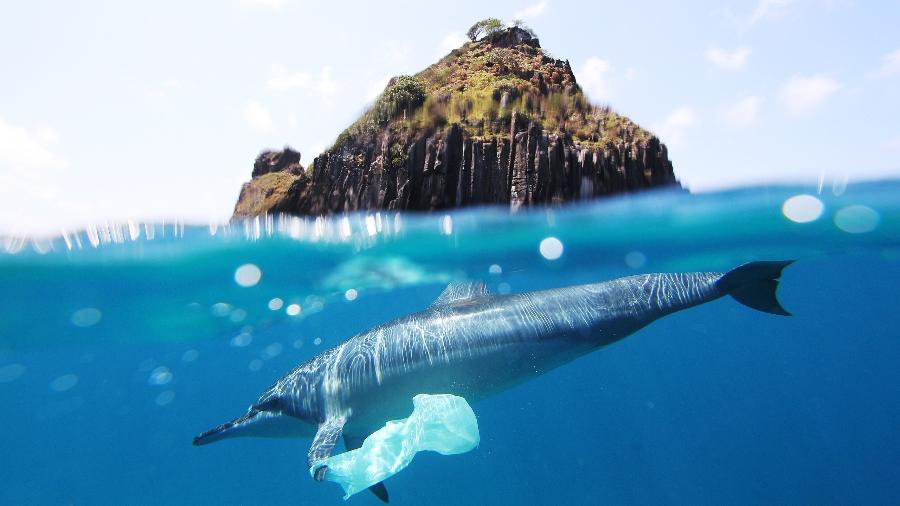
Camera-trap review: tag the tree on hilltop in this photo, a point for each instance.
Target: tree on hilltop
(483, 28)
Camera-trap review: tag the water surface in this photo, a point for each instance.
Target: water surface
(119, 343)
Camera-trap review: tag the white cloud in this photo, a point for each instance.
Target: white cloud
(532, 11)
(768, 8)
(325, 84)
(450, 42)
(258, 116)
(673, 128)
(284, 80)
(24, 150)
(593, 76)
(744, 112)
(804, 93)
(734, 60)
(266, 4)
(890, 64)
(47, 135)
(630, 72)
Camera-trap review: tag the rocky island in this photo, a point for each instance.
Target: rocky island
(496, 121)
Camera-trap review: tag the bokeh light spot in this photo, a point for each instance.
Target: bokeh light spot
(276, 304)
(11, 372)
(241, 340)
(64, 383)
(293, 310)
(86, 317)
(237, 316)
(857, 219)
(802, 208)
(165, 397)
(247, 275)
(160, 376)
(635, 259)
(551, 248)
(272, 351)
(351, 294)
(220, 309)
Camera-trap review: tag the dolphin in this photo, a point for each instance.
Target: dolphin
(473, 343)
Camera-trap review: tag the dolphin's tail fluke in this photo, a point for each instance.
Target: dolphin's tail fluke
(754, 285)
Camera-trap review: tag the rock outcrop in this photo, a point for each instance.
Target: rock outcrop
(277, 161)
(495, 122)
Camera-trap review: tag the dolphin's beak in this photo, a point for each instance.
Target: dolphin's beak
(227, 429)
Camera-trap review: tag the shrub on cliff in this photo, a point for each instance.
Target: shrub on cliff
(407, 92)
(484, 27)
(404, 94)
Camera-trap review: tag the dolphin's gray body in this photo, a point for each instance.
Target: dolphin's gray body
(472, 343)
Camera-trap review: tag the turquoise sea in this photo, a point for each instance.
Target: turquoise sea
(121, 342)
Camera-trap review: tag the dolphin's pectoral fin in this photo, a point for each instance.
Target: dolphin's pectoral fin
(323, 444)
(460, 291)
(380, 491)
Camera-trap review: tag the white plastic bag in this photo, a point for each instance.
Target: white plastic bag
(442, 423)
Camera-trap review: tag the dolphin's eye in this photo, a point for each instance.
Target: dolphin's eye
(270, 404)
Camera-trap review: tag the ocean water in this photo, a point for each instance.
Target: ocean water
(119, 343)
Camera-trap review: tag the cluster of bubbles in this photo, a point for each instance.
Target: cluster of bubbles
(162, 376)
(249, 275)
(225, 310)
(853, 219)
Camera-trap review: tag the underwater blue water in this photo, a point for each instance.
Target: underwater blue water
(120, 343)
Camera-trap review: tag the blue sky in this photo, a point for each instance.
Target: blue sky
(115, 110)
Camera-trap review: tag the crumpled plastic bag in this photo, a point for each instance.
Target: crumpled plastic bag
(442, 423)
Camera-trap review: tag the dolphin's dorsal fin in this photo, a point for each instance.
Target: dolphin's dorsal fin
(456, 292)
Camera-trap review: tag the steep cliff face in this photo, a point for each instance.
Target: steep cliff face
(495, 122)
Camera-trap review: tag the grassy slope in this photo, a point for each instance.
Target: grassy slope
(480, 85)
(262, 193)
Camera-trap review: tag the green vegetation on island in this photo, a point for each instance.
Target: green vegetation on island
(502, 71)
